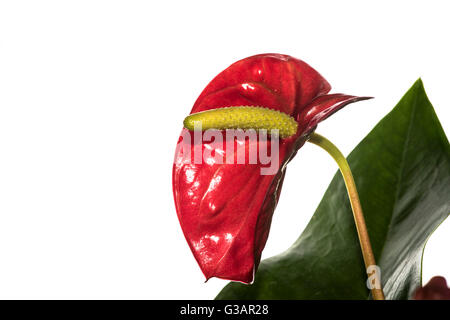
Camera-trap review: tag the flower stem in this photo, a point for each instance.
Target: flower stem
(363, 235)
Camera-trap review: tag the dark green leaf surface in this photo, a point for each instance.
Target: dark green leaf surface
(402, 171)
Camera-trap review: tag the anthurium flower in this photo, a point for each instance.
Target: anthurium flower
(225, 208)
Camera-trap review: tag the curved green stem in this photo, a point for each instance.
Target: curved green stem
(363, 235)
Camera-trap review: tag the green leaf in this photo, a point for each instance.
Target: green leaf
(402, 171)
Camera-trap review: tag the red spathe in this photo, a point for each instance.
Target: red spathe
(225, 210)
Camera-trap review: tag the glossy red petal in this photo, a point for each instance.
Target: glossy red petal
(274, 81)
(322, 107)
(225, 210)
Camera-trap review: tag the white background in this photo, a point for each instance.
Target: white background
(92, 98)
